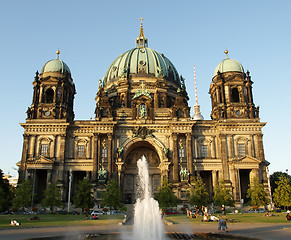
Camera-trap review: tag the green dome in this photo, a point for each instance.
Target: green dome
(228, 65)
(142, 60)
(55, 65)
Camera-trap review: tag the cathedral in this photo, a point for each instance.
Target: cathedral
(142, 109)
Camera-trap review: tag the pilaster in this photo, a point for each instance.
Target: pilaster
(189, 153)
(95, 156)
(175, 158)
(225, 170)
(23, 158)
(109, 136)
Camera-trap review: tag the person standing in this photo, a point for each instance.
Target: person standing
(223, 210)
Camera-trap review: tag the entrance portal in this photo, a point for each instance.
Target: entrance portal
(129, 183)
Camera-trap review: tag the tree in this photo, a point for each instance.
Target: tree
(198, 193)
(6, 193)
(52, 197)
(23, 195)
(166, 197)
(257, 194)
(274, 178)
(83, 198)
(282, 194)
(112, 196)
(223, 195)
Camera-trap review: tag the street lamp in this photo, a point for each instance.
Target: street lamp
(70, 187)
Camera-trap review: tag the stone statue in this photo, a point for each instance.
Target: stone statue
(142, 111)
(184, 174)
(119, 152)
(102, 175)
(166, 151)
(29, 112)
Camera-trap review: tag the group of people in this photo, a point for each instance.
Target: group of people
(206, 217)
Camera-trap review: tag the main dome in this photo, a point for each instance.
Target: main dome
(142, 60)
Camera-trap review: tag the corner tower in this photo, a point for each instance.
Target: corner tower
(54, 90)
(231, 92)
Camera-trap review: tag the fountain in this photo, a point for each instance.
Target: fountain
(147, 219)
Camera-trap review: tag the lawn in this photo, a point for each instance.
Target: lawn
(58, 220)
(79, 220)
(240, 218)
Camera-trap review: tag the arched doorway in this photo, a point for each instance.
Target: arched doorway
(129, 183)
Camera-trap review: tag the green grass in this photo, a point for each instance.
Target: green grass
(51, 220)
(240, 218)
(58, 220)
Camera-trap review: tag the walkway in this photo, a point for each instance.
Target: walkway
(259, 230)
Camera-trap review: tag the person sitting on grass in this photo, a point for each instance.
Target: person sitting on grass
(95, 217)
(192, 215)
(205, 218)
(213, 218)
(14, 223)
(288, 217)
(269, 214)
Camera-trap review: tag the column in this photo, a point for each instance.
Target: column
(88, 175)
(224, 157)
(260, 146)
(109, 143)
(195, 148)
(48, 177)
(231, 147)
(156, 100)
(175, 158)
(61, 154)
(62, 147)
(234, 182)
(214, 178)
(189, 153)
(252, 154)
(23, 158)
(98, 152)
(213, 154)
(31, 146)
(95, 156)
(254, 175)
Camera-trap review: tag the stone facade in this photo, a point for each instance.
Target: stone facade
(139, 113)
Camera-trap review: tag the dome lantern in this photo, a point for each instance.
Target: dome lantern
(141, 41)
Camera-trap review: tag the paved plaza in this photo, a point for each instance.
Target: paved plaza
(257, 231)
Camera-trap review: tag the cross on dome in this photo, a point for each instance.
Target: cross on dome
(141, 21)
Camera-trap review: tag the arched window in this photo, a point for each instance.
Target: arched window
(49, 95)
(234, 95)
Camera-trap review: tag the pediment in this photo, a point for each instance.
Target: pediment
(246, 160)
(41, 160)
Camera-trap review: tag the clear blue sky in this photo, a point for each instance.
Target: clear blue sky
(91, 34)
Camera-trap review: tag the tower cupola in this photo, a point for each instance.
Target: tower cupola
(231, 92)
(54, 92)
